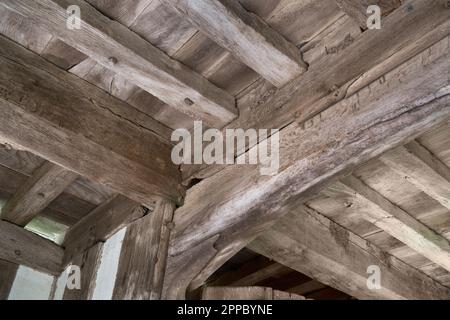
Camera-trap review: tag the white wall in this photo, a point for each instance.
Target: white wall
(30, 284)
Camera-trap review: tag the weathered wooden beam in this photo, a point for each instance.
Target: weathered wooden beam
(23, 247)
(387, 216)
(357, 9)
(66, 120)
(48, 182)
(246, 36)
(420, 167)
(410, 100)
(130, 56)
(88, 262)
(337, 76)
(247, 293)
(312, 244)
(8, 272)
(143, 256)
(250, 273)
(100, 224)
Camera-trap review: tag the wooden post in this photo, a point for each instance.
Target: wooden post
(8, 272)
(143, 257)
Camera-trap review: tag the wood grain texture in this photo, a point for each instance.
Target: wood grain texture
(316, 246)
(246, 36)
(88, 262)
(47, 183)
(395, 221)
(8, 272)
(128, 55)
(247, 293)
(410, 100)
(23, 247)
(100, 224)
(83, 127)
(418, 166)
(357, 9)
(143, 257)
(349, 66)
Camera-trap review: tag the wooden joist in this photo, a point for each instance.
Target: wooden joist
(408, 101)
(250, 273)
(312, 244)
(130, 56)
(387, 216)
(23, 247)
(76, 125)
(335, 77)
(357, 9)
(247, 293)
(246, 36)
(48, 182)
(8, 273)
(420, 167)
(100, 224)
(143, 256)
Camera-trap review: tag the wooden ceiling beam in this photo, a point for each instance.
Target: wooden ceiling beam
(383, 115)
(335, 77)
(47, 183)
(387, 216)
(246, 36)
(100, 224)
(419, 166)
(312, 244)
(116, 47)
(76, 125)
(357, 9)
(23, 247)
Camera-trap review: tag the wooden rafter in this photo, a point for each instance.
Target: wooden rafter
(420, 167)
(381, 116)
(100, 224)
(312, 244)
(334, 77)
(246, 36)
(82, 126)
(23, 247)
(133, 58)
(395, 221)
(48, 182)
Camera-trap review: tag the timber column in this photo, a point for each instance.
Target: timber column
(143, 257)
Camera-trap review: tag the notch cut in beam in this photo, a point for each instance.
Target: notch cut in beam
(116, 47)
(46, 183)
(246, 36)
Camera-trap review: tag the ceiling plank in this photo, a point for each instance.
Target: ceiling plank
(387, 216)
(334, 77)
(312, 244)
(47, 183)
(100, 224)
(420, 167)
(381, 116)
(246, 36)
(23, 247)
(82, 127)
(131, 57)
